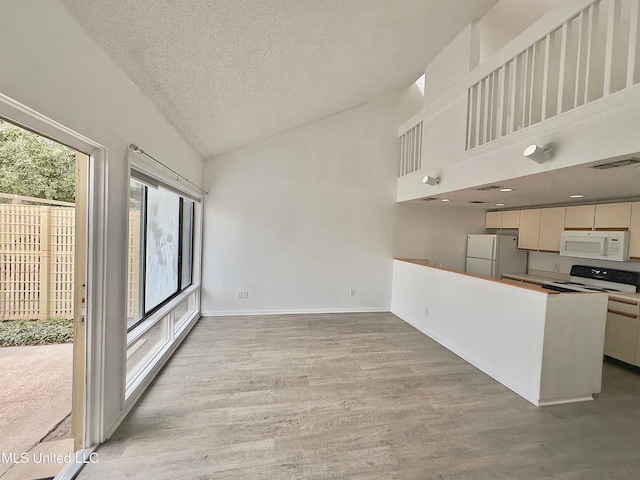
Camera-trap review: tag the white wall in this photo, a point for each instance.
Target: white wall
(302, 218)
(52, 66)
(438, 234)
(549, 262)
(506, 20)
(457, 59)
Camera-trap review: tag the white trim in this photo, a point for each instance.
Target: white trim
(96, 299)
(237, 313)
(149, 362)
(80, 459)
(96, 253)
(150, 375)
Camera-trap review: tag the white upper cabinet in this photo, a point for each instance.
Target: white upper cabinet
(529, 235)
(551, 227)
(613, 215)
(493, 220)
(580, 216)
(511, 219)
(634, 229)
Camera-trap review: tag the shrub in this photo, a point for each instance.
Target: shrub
(35, 332)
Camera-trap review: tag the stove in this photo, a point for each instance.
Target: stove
(596, 279)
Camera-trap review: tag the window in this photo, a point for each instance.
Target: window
(162, 229)
(144, 348)
(186, 258)
(160, 256)
(162, 285)
(135, 247)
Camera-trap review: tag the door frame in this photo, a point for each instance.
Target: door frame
(25, 117)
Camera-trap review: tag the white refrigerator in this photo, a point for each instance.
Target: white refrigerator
(493, 255)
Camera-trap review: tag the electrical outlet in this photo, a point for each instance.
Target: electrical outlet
(243, 294)
(352, 293)
(426, 311)
(556, 267)
(240, 294)
(246, 295)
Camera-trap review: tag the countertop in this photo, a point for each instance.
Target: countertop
(540, 280)
(535, 279)
(425, 263)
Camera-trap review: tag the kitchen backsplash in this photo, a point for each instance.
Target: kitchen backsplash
(552, 262)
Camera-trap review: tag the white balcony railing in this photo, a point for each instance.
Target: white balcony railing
(411, 150)
(590, 56)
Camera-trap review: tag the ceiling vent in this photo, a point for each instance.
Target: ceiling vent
(428, 199)
(477, 201)
(488, 187)
(616, 164)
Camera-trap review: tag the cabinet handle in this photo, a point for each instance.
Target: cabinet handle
(624, 314)
(627, 302)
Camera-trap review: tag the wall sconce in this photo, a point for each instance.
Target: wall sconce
(539, 154)
(427, 180)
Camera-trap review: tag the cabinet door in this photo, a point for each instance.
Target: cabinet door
(529, 229)
(613, 215)
(493, 220)
(511, 219)
(620, 337)
(580, 216)
(551, 227)
(634, 231)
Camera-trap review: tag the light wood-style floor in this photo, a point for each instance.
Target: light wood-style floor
(358, 396)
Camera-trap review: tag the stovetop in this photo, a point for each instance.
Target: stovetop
(584, 287)
(596, 279)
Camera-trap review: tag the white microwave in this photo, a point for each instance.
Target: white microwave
(600, 245)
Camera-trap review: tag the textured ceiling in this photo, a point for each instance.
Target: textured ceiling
(228, 73)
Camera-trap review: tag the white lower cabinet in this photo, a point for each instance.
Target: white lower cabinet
(621, 334)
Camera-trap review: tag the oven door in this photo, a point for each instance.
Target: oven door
(558, 288)
(584, 245)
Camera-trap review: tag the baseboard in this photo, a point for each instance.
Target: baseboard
(238, 313)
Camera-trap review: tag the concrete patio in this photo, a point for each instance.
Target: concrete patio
(35, 397)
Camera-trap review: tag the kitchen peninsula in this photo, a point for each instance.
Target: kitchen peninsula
(545, 346)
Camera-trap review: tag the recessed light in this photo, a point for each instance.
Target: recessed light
(506, 190)
(445, 200)
(501, 204)
(577, 196)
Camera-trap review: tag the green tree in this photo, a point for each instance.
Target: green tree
(35, 166)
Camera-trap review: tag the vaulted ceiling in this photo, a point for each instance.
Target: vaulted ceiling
(227, 73)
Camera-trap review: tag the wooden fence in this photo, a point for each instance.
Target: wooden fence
(37, 256)
(36, 261)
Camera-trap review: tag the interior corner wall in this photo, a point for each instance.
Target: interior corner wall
(451, 64)
(435, 233)
(506, 20)
(302, 218)
(52, 66)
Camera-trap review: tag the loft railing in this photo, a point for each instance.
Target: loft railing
(411, 150)
(592, 55)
